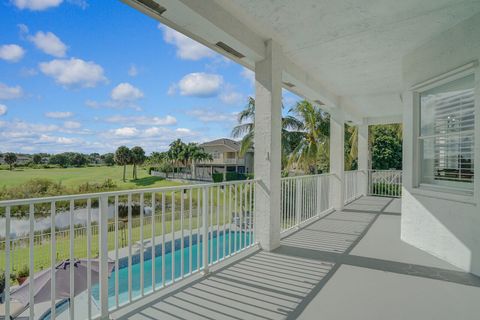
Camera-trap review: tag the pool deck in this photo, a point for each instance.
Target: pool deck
(346, 265)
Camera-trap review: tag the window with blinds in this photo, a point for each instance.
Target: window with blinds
(447, 134)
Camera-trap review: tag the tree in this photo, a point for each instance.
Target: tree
(78, 160)
(176, 152)
(108, 159)
(60, 159)
(311, 153)
(291, 128)
(93, 157)
(122, 158)
(37, 159)
(386, 146)
(10, 158)
(137, 158)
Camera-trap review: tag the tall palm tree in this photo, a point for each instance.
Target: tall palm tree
(312, 150)
(137, 158)
(291, 128)
(123, 157)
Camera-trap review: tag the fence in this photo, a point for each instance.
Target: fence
(353, 188)
(188, 229)
(303, 198)
(385, 183)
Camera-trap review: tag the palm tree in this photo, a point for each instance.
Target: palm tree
(176, 152)
(137, 158)
(291, 128)
(122, 158)
(312, 150)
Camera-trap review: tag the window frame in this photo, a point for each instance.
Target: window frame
(450, 192)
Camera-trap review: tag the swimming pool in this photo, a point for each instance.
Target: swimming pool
(234, 242)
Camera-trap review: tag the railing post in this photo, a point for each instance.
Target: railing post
(103, 256)
(318, 196)
(298, 202)
(205, 229)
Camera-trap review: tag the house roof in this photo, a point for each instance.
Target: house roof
(224, 142)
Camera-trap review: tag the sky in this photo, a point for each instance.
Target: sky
(89, 76)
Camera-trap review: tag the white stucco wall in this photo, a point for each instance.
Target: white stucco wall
(441, 223)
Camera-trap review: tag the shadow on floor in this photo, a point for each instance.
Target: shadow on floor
(281, 284)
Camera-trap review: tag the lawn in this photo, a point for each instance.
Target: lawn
(73, 177)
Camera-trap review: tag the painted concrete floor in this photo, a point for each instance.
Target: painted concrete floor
(347, 265)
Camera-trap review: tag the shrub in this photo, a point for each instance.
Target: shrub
(23, 272)
(217, 177)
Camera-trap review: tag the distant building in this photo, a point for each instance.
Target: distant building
(226, 158)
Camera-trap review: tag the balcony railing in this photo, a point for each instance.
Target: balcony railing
(385, 183)
(153, 237)
(303, 198)
(352, 184)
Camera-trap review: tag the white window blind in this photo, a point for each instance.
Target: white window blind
(447, 134)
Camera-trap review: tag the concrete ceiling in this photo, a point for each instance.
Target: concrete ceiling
(354, 47)
(346, 53)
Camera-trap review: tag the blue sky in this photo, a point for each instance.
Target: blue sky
(90, 76)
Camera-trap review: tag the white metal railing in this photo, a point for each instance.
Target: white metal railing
(303, 198)
(387, 183)
(154, 237)
(352, 183)
(182, 176)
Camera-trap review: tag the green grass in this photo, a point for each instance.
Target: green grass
(73, 177)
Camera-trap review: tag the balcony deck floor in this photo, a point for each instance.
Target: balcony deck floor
(346, 265)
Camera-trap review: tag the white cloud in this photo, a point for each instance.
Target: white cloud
(172, 89)
(36, 5)
(11, 52)
(132, 71)
(126, 132)
(183, 130)
(74, 72)
(23, 28)
(59, 114)
(209, 115)
(80, 3)
(187, 48)
(143, 120)
(200, 84)
(249, 75)
(58, 140)
(3, 109)
(72, 124)
(231, 97)
(49, 43)
(126, 92)
(7, 92)
(28, 72)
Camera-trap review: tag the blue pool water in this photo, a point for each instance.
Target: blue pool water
(232, 242)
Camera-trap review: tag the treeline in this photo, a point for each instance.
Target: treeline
(64, 160)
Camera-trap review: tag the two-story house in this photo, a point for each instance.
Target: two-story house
(226, 158)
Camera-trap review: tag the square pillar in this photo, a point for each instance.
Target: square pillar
(363, 159)
(267, 140)
(337, 162)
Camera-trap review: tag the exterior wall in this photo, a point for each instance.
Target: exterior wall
(444, 224)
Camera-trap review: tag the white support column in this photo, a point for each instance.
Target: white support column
(337, 162)
(267, 161)
(363, 158)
